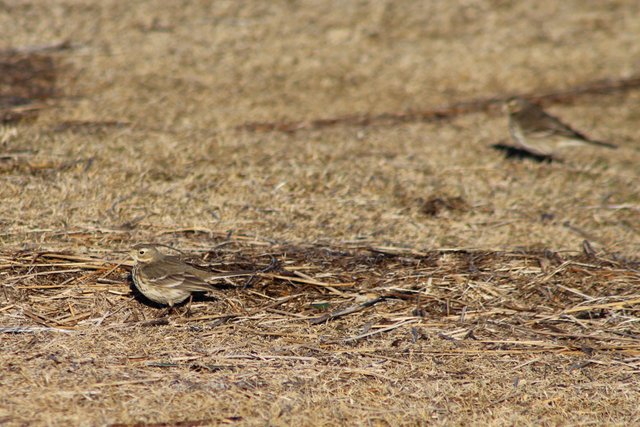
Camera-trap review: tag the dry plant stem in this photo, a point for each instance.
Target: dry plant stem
(33, 329)
(346, 311)
(379, 331)
(306, 281)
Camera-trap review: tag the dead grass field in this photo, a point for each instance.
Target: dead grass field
(422, 278)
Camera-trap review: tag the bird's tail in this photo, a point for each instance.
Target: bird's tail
(601, 143)
(588, 140)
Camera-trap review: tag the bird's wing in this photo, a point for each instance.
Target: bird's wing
(173, 275)
(194, 273)
(184, 281)
(537, 121)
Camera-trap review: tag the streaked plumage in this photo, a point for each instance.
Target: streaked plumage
(167, 279)
(540, 133)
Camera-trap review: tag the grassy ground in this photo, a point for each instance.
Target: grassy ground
(468, 268)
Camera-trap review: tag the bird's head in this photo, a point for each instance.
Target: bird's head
(145, 253)
(515, 104)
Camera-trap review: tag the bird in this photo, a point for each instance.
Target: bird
(539, 133)
(168, 280)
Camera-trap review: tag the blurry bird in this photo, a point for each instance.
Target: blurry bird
(167, 279)
(540, 133)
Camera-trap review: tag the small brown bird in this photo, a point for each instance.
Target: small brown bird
(534, 130)
(167, 279)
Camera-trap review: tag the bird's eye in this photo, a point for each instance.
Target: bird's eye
(141, 252)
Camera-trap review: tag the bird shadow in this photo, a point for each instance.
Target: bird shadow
(514, 153)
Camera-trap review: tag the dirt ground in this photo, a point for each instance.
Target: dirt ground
(409, 273)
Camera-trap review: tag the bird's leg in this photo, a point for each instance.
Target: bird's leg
(166, 312)
(187, 312)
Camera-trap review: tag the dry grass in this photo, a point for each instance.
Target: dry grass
(423, 278)
(351, 334)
